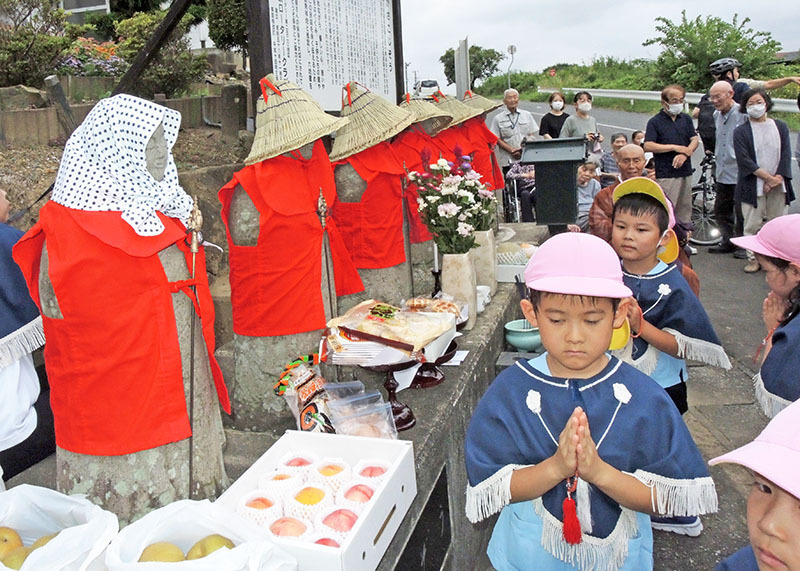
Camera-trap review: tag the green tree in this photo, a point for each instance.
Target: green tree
(174, 68)
(689, 46)
(483, 63)
(36, 38)
(227, 24)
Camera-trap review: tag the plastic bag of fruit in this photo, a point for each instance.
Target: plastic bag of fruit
(56, 531)
(196, 536)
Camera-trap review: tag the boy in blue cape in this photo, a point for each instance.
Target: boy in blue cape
(575, 447)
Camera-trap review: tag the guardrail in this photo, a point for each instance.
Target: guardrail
(786, 105)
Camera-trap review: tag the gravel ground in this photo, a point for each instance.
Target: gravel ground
(26, 172)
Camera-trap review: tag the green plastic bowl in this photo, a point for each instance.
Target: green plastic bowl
(523, 335)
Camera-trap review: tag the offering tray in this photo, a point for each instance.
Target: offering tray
(429, 374)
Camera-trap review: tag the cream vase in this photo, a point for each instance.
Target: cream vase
(458, 280)
(484, 258)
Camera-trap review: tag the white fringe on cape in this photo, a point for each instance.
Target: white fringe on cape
(491, 495)
(592, 553)
(646, 363)
(674, 497)
(700, 350)
(21, 342)
(770, 403)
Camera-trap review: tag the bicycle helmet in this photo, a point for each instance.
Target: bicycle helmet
(723, 65)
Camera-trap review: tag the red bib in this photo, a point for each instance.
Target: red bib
(407, 146)
(372, 229)
(275, 285)
(482, 143)
(113, 361)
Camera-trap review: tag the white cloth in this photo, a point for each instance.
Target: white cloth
(767, 142)
(104, 167)
(19, 389)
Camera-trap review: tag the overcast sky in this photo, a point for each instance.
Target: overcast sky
(571, 32)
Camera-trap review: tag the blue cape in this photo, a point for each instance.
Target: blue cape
(778, 382)
(633, 422)
(668, 303)
(20, 325)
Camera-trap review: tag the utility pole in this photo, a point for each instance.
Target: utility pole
(405, 74)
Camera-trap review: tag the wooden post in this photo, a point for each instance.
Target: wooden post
(165, 28)
(259, 46)
(63, 112)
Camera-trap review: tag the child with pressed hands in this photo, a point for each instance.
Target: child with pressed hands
(777, 250)
(773, 506)
(549, 445)
(668, 323)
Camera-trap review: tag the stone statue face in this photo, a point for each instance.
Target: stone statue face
(156, 153)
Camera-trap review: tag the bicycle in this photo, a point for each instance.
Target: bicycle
(706, 230)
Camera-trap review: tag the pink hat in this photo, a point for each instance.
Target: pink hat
(775, 453)
(778, 238)
(576, 264)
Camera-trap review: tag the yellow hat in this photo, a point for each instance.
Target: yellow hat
(642, 185)
(620, 336)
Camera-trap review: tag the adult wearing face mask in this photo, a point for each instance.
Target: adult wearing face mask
(582, 123)
(511, 125)
(552, 122)
(671, 137)
(764, 184)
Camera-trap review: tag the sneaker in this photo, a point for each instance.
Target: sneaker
(752, 267)
(691, 526)
(722, 248)
(692, 251)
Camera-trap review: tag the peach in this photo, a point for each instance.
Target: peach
(373, 471)
(287, 527)
(309, 496)
(327, 541)
(359, 493)
(281, 477)
(330, 470)
(259, 503)
(298, 462)
(340, 520)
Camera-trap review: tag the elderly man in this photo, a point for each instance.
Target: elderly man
(670, 135)
(631, 163)
(512, 125)
(726, 118)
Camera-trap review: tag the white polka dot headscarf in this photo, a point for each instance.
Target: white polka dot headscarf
(104, 166)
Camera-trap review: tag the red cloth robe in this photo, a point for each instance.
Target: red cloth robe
(372, 228)
(275, 285)
(446, 142)
(408, 147)
(113, 361)
(483, 141)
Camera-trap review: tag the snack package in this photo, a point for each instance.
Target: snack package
(442, 303)
(408, 331)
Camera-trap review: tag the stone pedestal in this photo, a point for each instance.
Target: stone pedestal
(131, 485)
(392, 284)
(234, 111)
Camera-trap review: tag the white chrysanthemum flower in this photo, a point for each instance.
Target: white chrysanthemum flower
(448, 210)
(462, 217)
(442, 162)
(433, 198)
(472, 175)
(465, 229)
(448, 189)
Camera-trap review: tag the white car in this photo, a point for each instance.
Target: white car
(425, 88)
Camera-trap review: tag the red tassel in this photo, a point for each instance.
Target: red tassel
(572, 527)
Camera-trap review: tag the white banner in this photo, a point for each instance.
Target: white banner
(323, 44)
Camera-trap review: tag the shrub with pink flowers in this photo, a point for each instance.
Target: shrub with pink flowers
(453, 202)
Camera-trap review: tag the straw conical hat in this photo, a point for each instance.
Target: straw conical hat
(480, 102)
(437, 119)
(372, 120)
(286, 119)
(458, 110)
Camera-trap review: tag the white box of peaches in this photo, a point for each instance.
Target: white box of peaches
(334, 502)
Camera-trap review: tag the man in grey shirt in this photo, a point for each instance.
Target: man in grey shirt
(512, 125)
(726, 118)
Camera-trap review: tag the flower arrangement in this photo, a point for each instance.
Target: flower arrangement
(452, 202)
(87, 57)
